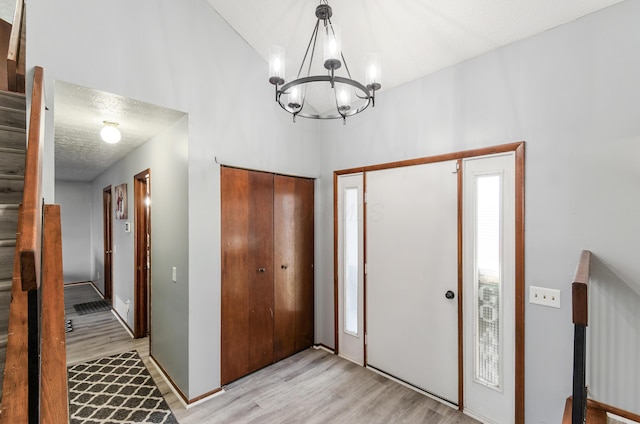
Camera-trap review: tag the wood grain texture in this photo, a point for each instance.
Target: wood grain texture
(21, 71)
(520, 286)
(14, 46)
(336, 335)
(247, 272)
(293, 265)
(595, 414)
(580, 290)
(5, 35)
(15, 400)
(460, 289)
(54, 394)
(234, 186)
(142, 236)
(595, 405)
(502, 148)
(267, 269)
(312, 386)
(107, 234)
(260, 236)
(284, 259)
(31, 230)
(303, 262)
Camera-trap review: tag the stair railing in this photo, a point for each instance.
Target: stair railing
(35, 379)
(16, 51)
(580, 306)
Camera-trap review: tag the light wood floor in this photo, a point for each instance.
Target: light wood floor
(310, 387)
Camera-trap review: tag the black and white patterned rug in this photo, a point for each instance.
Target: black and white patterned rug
(116, 389)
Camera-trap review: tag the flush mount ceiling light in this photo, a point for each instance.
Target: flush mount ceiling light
(110, 132)
(348, 96)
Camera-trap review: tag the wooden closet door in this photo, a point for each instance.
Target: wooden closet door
(247, 272)
(293, 263)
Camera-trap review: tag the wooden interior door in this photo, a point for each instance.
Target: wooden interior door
(247, 272)
(142, 217)
(293, 265)
(107, 236)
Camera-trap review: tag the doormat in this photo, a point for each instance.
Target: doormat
(116, 389)
(91, 307)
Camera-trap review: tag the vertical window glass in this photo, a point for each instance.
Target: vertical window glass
(488, 331)
(351, 254)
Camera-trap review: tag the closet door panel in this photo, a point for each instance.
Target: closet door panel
(260, 270)
(247, 272)
(293, 261)
(304, 242)
(284, 267)
(234, 188)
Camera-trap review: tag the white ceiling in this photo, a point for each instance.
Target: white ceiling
(413, 38)
(80, 153)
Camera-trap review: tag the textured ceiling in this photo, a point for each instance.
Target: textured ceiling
(79, 112)
(413, 38)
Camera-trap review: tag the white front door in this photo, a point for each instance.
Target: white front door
(350, 268)
(412, 262)
(489, 286)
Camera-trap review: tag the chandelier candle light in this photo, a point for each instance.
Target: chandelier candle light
(350, 96)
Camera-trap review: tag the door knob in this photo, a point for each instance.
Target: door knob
(261, 270)
(449, 294)
(283, 266)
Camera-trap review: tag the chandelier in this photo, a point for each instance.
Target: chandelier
(336, 96)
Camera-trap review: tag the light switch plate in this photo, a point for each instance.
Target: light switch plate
(173, 275)
(544, 297)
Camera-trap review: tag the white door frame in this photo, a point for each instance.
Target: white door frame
(352, 343)
(488, 273)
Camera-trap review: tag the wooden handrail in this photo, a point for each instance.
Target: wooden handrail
(580, 309)
(15, 391)
(31, 236)
(35, 379)
(54, 402)
(579, 290)
(15, 48)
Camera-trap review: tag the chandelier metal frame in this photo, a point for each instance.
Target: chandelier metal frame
(366, 93)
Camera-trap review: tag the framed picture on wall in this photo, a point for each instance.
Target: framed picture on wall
(120, 193)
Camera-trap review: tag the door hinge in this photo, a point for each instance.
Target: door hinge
(365, 197)
(365, 338)
(366, 268)
(457, 168)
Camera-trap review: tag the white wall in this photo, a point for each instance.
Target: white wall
(74, 199)
(183, 56)
(166, 155)
(613, 339)
(572, 94)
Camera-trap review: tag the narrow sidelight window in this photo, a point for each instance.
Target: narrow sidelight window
(350, 249)
(488, 281)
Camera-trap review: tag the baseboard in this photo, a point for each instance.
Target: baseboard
(123, 323)
(186, 403)
(324, 347)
